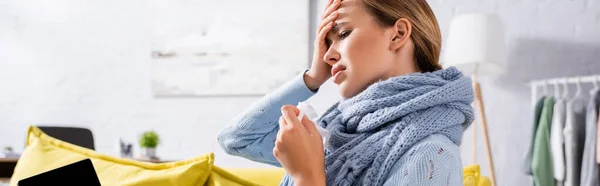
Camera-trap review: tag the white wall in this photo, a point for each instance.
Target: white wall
(86, 63)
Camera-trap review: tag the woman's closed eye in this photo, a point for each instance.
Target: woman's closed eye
(344, 34)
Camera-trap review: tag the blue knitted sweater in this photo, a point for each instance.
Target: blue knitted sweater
(433, 159)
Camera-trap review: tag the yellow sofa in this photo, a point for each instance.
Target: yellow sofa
(43, 153)
(261, 176)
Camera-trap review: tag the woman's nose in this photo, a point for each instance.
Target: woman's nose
(331, 56)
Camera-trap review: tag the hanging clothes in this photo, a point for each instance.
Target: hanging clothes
(541, 162)
(589, 167)
(574, 140)
(557, 141)
(536, 119)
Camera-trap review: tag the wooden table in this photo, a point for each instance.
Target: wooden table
(9, 160)
(7, 166)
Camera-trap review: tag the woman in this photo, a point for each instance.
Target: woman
(402, 116)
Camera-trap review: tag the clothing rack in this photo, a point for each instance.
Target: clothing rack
(558, 132)
(568, 80)
(544, 83)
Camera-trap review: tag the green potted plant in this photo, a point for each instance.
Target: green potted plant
(8, 152)
(8, 149)
(149, 141)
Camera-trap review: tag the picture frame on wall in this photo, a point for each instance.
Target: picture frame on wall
(203, 48)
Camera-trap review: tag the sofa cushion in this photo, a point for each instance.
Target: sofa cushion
(262, 176)
(43, 153)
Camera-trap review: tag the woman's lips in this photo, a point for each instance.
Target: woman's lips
(336, 77)
(336, 69)
(336, 72)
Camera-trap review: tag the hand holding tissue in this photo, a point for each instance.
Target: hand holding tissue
(307, 110)
(297, 147)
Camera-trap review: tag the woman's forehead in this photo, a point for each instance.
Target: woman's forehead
(348, 5)
(348, 8)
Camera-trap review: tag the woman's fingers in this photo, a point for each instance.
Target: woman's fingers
(282, 122)
(329, 15)
(323, 34)
(279, 139)
(331, 8)
(290, 115)
(329, 2)
(309, 126)
(327, 20)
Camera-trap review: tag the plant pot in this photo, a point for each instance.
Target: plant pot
(149, 152)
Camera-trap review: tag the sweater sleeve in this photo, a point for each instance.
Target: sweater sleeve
(252, 134)
(432, 162)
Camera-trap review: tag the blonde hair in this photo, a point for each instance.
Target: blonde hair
(426, 34)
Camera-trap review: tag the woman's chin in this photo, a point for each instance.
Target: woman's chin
(345, 90)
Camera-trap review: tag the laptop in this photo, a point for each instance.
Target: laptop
(78, 173)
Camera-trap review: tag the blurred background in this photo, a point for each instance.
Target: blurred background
(185, 69)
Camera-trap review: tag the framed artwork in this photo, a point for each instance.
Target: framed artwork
(227, 47)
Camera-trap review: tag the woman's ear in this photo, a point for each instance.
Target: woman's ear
(401, 33)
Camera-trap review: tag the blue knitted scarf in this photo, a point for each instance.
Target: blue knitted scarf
(372, 130)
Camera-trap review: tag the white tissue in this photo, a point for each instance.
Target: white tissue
(307, 110)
